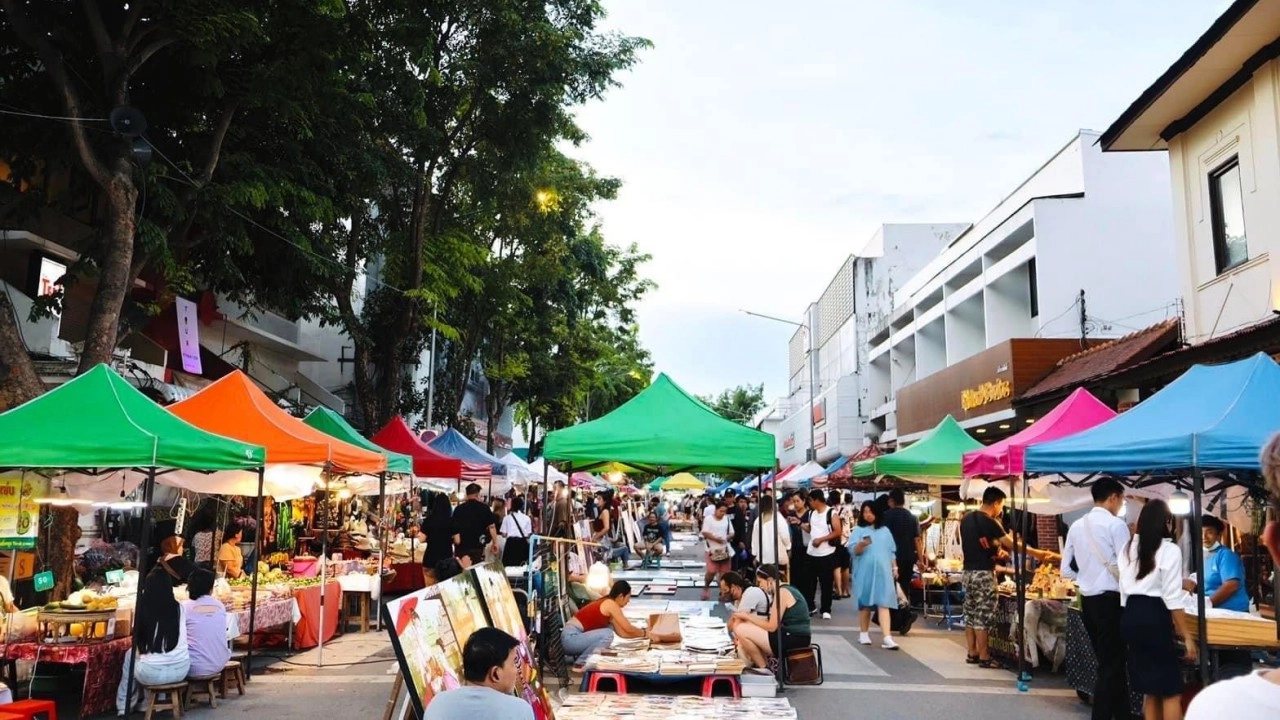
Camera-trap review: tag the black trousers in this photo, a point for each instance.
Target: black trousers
(899, 615)
(1101, 614)
(821, 571)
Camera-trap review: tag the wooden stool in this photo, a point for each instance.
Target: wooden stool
(174, 691)
(240, 656)
(32, 709)
(233, 672)
(709, 685)
(205, 685)
(619, 681)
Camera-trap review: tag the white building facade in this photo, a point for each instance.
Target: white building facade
(853, 303)
(1081, 249)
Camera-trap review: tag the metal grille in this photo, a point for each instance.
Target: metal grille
(836, 304)
(796, 352)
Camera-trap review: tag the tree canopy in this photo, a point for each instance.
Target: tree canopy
(739, 404)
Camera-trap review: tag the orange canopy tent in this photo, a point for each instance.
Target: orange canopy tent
(235, 408)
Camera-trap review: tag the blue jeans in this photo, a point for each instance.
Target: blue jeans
(145, 674)
(583, 644)
(666, 534)
(622, 552)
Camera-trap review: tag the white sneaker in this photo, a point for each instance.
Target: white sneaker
(889, 644)
(864, 638)
(826, 616)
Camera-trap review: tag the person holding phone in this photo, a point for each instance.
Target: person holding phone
(874, 568)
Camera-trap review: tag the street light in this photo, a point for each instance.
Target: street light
(812, 454)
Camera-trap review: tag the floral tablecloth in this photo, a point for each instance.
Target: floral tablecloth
(271, 613)
(104, 666)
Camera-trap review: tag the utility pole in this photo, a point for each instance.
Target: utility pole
(431, 373)
(812, 453)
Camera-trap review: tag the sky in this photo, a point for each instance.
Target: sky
(761, 143)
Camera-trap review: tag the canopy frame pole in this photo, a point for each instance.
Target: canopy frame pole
(1197, 560)
(779, 678)
(324, 558)
(253, 592)
(148, 491)
(382, 543)
(1020, 577)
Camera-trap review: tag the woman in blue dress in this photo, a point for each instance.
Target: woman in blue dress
(874, 566)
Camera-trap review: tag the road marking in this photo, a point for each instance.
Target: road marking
(925, 688)
(839, 653)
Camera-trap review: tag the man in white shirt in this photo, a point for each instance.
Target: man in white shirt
(1090, 558)
(1256, 695)
(824, 530)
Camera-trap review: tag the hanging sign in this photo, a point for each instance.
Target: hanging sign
(43, 581)
(188, 335)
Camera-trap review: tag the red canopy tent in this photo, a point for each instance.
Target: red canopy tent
(842, 477)
(427, 463)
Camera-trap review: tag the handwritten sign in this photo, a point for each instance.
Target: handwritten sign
(43, 581)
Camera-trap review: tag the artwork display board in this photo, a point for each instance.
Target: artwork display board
(431, 626)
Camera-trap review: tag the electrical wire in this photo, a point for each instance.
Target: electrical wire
(61, 118)
(1044, 325)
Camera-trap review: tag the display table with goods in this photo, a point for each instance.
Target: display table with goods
(600, 706)
(103, 662)
(1044, 619)
(700, 648)
(1082, 664)
(281, 591)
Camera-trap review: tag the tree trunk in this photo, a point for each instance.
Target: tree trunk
(64, 525)
(113, 277)
(18, 379)
(390, 363)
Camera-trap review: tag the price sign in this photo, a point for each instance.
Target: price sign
(43, 581)
(115, 577)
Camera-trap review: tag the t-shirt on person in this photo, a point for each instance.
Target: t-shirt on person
(905, 529)
(754, 600)
(820, 526)
(471, 521)
(1247, 696)
(207, 636)
(472, 702)
(979, 539)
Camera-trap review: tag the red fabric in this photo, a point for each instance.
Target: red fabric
(408, 578)
(306, 634)
(592, 617)
(427, 462)
(104, 666)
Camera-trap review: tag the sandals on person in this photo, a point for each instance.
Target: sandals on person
(971, 660)
(990, 664)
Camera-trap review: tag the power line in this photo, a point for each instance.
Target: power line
(24, 113)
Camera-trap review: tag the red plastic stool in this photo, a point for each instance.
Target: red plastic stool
(709, 685)
(32, 709)
(619, 681)
(12, 716)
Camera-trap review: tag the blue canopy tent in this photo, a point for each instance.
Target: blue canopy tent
(1211, 422)
(455, 444)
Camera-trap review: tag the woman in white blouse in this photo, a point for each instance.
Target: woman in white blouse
(1151, 590)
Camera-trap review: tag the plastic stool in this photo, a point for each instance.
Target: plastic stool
(11, 716)
(32, 709)
(709, 685)
(619, 681)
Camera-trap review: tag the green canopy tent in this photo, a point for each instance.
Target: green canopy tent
(334, 425)
(937, 457)
(663, 429)
(98, 423)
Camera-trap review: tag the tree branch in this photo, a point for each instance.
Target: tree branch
(131, 18)
(97, 28)
(141, 57)
(24, 27)
(215, 143)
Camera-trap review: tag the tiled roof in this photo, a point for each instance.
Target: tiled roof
(1078, 369)
(1262, 336)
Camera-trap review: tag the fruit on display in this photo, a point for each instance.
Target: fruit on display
(278, 559)
(84, 600)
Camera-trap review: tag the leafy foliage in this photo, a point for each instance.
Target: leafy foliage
(739, 404)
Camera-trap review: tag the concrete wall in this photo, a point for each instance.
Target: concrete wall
(1247, 125)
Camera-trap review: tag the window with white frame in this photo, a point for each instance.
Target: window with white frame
(1226, 205)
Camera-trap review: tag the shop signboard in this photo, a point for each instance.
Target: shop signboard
(19, 513)
(820, 413)
(981, 385)
(789, 442)
(188, 335)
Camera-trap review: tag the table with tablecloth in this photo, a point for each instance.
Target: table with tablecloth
(307, 631)
(103, 667)
(271, 613)
(1082, 664)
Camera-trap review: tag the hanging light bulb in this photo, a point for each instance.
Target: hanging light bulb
(1179, 503)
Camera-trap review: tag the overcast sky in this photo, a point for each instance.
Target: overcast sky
(760, 143)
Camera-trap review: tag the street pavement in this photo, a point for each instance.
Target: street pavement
(926, 679)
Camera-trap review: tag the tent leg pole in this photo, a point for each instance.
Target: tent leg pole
(1020, 636)
(1197, 559)
(253, 591)
(382, 546)
(148, 492)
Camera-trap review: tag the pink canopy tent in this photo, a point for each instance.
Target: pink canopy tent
(780, 475)
(1079, 412)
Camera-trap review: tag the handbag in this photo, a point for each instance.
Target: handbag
(720, 554)
(804, 666)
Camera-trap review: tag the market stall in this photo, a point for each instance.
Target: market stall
(93, 426)
(234, 407)
(455, 444)
(661, 430)
(1202, 433)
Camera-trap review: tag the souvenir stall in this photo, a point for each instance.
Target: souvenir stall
(433, 469)
(661, 430)
(1038, 612)
(1201, 434)
(83, 434)
(234, 407)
